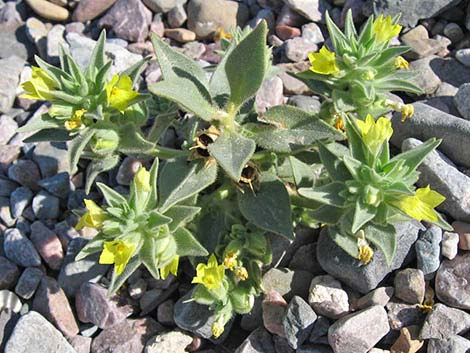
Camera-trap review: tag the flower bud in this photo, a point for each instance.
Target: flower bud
(104, 142)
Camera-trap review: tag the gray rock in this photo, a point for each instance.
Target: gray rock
(421, 45)
(380, 296)
(359, 332)
(89, 9)
(7, 187)
(165, 313)
(463, 55)
(266, 15)
(194, 50)
(443, 322)
(410, 286)
(55, 39)
(33, 333)
(51, 158)
(20, 249)
(410, 10)
(58, 185)
(319, 330)
(177, 16)
(313, 10)
(28, 282)
(297, 49)
(298, 321)
(81, 344)
(26, 173)
(426, 77)
(327, 297)
(8, 320)
(10, 70)
(19, 200)
(428, 250)
(286, 282)
(66, 233)
(163, 5)
(46, 206)
(305, 259)
(454, 32)
(5, 214)
(450, 245)
(452, 281)
(452, 344)
(173, 341)
(10, 273)
(259, 341)
(342, 266)
(461, 100)
(270, 94)
(312, 32)
(402, 315)
(8, 127)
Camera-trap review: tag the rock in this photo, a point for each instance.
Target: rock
(286, 282)
(81, 344)
(443, 322)
(313, 10)
(259, 341)
(254, 318)
(9, 301)
(65, 233)
(163, 5)
(380, 296)
(20, 249)
(408, 341)
(298, 321)
(157, 26)
(55, 40)
(312, 32)
(452, 281)
(48, 10)
(8, 127)
(8, 154)
(428, 251)
(154, 297)
(282, 345)
(274, 310)
(95, 306)
(181, 35)
(194, 50)
(173, 341)
(410, 285)
(463, 230)
(449, 245)
(359, 332)
(421, 45)
(410, 10)
(10, 273)
(8, 320)
(10, 70)
(36, 30)
(401, 314)
(58, 185)
(319, 330)
(129, 20)
(5, 214)
(74, 273)
(87, 10)
(46, 206)
(33, 333)
(327, 297)
(51, 158)
(51, 302)
(48, 245)
(297, 49)
(463, 55)
(454, 32)
(287, 32)
(127, 336)
(452, 344)
(461, 100)
(429, 122)
(165, 313)
(305, 259)
(270, 94)
(426, 77)
(19, 200)
(7, 187)
(28, 282)
(345, 268)
(82, 47)
(293, 86)
(205, 18)
(177, 16)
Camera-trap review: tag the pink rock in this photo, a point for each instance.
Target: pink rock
(48, 245)
(463, 229)
(90, 9)
(274, 307)
(81, 344)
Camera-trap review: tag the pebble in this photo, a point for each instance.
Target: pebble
(421, 45)
(452, 344)
(7, 187)
(87, 10)
(58, 185)
(10, 273)
(282, 345)
(408, 341)
(36, 30)
(165, 313)
(426, 78)
(205, 18)
(463, 55)
(449, 245)
(129, 20)
(157, 26)
(305, 259)
(297, 49)
(48, 10)
(177, 16)
(269, 95)
(46, 206)
(410, 286)
(444, 321)
(319, 330)
(463, 230)
(51, 302)
(428, 250)
(48, 245)
(274, 310)
(8, 127)
(194, 50)
(8, 154)
(8, 320)
(28, 282)
(327, 297)
(359, 332)
(20, 199)
(259, 341)
(33, 333)
(51, 158)
(5, 214)
(401, 314)
(94, 306)
(138, 288)
(163, 5)
(25, 172)
(452, 281)
(454, 32)
(254, 318)
(20, 249)
(55, 39)
(65, 233)
(81, 344)
(461, 100)
(266, 15)
(173, 341)
(287, 32)
(298, 321)
(181, 35)
(292, 85)
(10, 70)
(313, 10)
(9, 301)
(380, 296)
(286, 282)
(312, 32)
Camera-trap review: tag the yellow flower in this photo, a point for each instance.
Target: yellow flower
(172, 267)
(221, 34)
(217, 328)
(384, 28)
(94, 217)
(401, 63)
(375, 133)
(119, 92)
(407, 111)
(117, 252)
(365, 254)
(39, 85)
(323, 62)
(210, 275)
(241, 273)
(230, 260)
(421, 205)
(142, 179)
(76, 120)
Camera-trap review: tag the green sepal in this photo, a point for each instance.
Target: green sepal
(187, 244)
(384, 238)
(329, 194)
(93, 246)
(202, 296)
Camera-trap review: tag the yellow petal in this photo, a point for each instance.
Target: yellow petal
(384, 28)
(142, 179)
(119, 92)
(172, 267)
(323, 62)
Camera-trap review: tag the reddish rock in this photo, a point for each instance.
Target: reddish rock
(463, 229)
(87, 10)
(81, 344)
(287, 32)
(274, 308)
(48, 245)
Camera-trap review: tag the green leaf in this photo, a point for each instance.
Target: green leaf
(54, 72)
(269, 208)
(187, 244)
(179, 180)
(203, 296)
(153, 197)
(327, 214)
(383, 237)
(135, 70)
(318, 84)
(302, 172)
(333, 164)
(52, 135)
(76, 147)
(131, 141)
(98, 166)
(156, 220)
(339, 40)
(344, 241)
(232, 152)
(118, 280)
(181, 215)
(93, 246)
(388, 55)
(356, 144)
(362, 215)
(69, 98)
(327, 194)
(97, 59)
(148, 257)
(44, 121)
(112, 197)
(246, 66)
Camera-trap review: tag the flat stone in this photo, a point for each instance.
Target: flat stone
(8, 127)
(10, 70)
(58, 185)
(33, 333)
(452, 281)
(287, 32)
(173, 341)
(194, 50)
(298, 322)
(51, 158)
(380, 296)
(408, 341)
(25, 172)
(181, 35)
(10, 273)
(87, 10)
(48, 10)
(19, 200)
(410, 285)
(51, 302)
(359, 332)
(452, 344)
(401, 314)
(305, 259)
(274, 310)
(320, 330)
(259, 341)
(313, 10)
(270, 94)
(20, 249)
(461, 100)
(443, 322)
(428, 250)
(28, 282)
(65, 232)
(450, 245)
(48, 245)
(421, 45)
(165, 312)
(286, 282)
(163, 5)
(327, 297)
